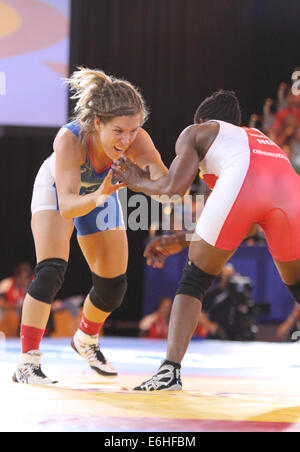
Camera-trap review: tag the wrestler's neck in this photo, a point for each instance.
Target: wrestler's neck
(101, 159)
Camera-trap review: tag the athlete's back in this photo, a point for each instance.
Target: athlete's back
(253, 181)
(241, 146)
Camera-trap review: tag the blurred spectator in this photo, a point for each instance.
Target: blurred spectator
(181, 216)
(295, 149)
(269, 113)
(257, 239)
(14, 288)
(280, 120)
(156, 325)
(207, 327)
(291, 323)
(227, 308)
(286, 121)
(71, 304)
(255, 122)
(172, 218)
(282, 94)
(270, 109)
(12, 294)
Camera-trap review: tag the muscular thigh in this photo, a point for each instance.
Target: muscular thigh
(51, 233)
(106, 252)
(289, 271)
(208, 258)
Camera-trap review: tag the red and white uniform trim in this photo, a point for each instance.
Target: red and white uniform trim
(253, 182)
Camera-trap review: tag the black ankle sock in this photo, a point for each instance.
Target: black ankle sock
(172, 363)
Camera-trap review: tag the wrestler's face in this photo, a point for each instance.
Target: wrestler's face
(117, 135)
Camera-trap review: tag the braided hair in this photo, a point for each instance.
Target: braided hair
(221, 105)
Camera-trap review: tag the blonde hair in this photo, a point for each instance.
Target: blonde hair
(105, 97)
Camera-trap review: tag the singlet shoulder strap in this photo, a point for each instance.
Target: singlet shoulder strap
(74, 127)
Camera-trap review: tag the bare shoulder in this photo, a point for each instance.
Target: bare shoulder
(199, 131)
(199, 136)
(67, 145)
(143, 144)
(144, 153)
(143, 136)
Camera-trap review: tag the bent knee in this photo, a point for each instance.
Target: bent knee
(107, 293)
(194, 281)
(48, 280)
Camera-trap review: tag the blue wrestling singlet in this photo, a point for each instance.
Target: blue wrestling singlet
(102, 218)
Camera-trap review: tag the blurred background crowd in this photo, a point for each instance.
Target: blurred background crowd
(228, 309)
(280, 120)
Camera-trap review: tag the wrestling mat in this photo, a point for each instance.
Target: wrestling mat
(228, 387)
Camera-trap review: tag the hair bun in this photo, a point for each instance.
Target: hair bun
(222, 105)
(227, 96)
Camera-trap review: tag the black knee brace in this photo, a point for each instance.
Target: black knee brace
(295, 291)
(49, 277)
(107, 293)
(194, 282)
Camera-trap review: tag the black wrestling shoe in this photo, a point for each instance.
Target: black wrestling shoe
(167, 378)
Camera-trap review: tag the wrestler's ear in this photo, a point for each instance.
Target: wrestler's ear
(97, 124)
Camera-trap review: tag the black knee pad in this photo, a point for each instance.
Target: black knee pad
(295, 291)
(49, 277)
(107, 293)
(194, 282)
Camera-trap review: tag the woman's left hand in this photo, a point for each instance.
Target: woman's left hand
(106, 189)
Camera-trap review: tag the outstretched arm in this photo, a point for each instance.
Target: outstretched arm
(181, 174)
(191, 147)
